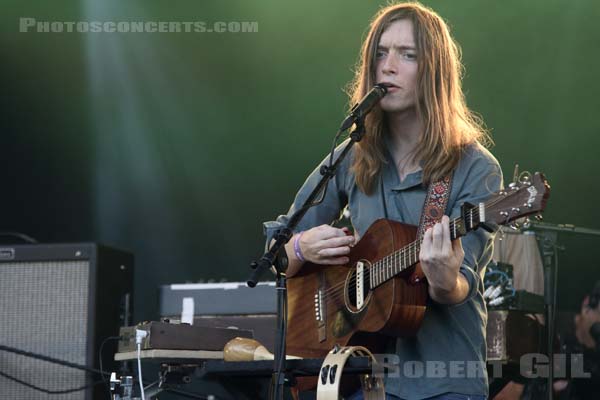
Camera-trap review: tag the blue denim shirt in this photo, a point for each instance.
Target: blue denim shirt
(449, 351)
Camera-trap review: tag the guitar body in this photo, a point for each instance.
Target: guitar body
(322, 310)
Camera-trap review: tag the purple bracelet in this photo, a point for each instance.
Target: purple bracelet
(297, 250)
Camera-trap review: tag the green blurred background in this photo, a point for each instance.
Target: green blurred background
(176, 146)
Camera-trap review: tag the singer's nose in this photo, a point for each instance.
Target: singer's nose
(389, 65)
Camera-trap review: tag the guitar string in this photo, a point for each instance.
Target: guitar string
(391, 262)
(410, 249)
(382, 264)
(400, 254)
(335, 291)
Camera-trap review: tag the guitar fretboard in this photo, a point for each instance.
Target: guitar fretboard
(393, 264)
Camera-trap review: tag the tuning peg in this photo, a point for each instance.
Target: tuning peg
(525, 178)
(539, 217)
(526, 223)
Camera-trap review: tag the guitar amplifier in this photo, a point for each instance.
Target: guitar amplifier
(61, 301)
(224, 305)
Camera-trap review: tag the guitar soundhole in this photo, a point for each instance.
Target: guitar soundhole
(357, 291)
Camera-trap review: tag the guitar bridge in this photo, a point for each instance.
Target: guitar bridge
(319, 306)
(360, 295)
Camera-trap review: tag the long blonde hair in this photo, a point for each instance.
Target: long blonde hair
(448, 124)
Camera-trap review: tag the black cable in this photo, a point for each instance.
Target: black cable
(25, 238)
(40, 389)
(554, 294)
(102, 374)
(540, 329)
(280, 362)
(75, 366)
(50, 359)
(328, 167)
(551, 323)
(333, 146)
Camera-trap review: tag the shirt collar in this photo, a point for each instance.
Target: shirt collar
(390, 172)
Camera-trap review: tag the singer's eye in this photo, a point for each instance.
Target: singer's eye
(410, 56)
(380, 54)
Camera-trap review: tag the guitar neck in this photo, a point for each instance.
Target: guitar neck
(388, 267)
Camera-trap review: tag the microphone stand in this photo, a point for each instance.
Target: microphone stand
(276, 258)
(549, 249)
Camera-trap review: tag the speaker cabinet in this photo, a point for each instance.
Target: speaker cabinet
(62, 301)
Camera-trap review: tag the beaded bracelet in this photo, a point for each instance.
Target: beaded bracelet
(297, 250)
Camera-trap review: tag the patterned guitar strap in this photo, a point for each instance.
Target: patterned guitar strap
(433, 211)
(435, 204)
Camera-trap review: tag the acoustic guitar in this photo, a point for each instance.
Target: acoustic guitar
(382, 290)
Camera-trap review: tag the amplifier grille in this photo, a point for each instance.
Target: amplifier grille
(44, 309)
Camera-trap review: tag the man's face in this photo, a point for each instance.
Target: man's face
(584, 321)
(396, 66)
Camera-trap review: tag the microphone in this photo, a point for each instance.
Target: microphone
(364, 106)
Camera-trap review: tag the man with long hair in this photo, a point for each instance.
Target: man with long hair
(420, 133)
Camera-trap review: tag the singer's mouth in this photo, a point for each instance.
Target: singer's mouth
(389, 85)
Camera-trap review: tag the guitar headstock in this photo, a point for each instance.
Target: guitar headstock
(519, 200)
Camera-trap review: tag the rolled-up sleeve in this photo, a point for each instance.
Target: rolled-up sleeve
(482, 178)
